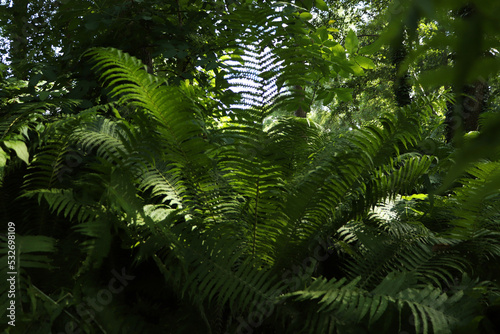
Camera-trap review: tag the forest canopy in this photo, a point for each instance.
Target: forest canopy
(240, 166)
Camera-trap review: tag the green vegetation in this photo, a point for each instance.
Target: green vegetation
(229, 166)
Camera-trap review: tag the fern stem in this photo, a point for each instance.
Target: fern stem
(256, 218)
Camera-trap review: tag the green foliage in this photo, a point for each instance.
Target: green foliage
(342, 305)
(265, 223)
(234, 222)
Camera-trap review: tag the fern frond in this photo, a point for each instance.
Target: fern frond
(130, 83)
(398, 247)
(212, 273)
(63, 202)
(341, 305)
(31, 251)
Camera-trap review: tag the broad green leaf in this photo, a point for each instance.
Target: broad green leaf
(44, 95)
(20, 148)
(306, 16)
(372, 48)
(364, 62)
(343, 94)
(323, 34)
(315, 37)
(307, 4)
(321, 4)
(351, 42)
(344, 73)
(338, 51)
(34, 79)
(322, 93)
(326, 95)
(329, 98)
(329, 43)
(3, 158)
(357, 69)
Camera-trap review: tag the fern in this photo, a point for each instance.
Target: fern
(31, 251)
(224, 212)
(342, 305)
(398, 247)
(231, 227)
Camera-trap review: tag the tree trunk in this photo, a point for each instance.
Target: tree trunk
(300, 112)
(463, 116)
(471, 99)
(402, 87)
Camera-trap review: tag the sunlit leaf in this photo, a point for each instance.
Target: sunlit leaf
(321, 4)
(343, 94)
(364, 62)
(306, 16)
(20, 148)
(351, 42)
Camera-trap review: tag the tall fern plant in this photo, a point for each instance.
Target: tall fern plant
(225, 216)
(232, 217)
